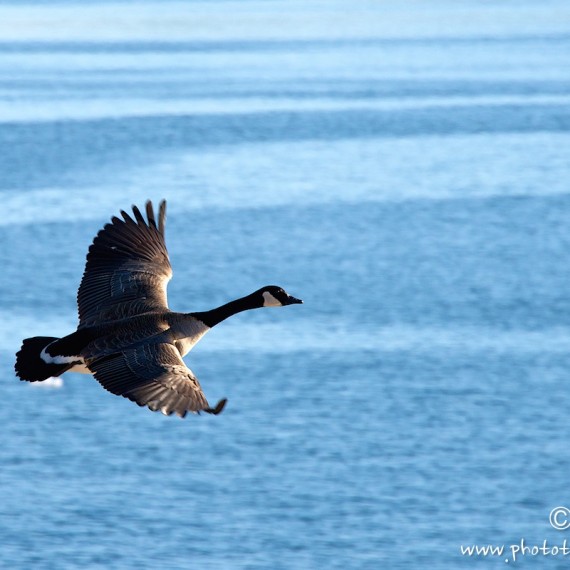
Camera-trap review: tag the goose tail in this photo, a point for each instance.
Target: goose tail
(29, 364)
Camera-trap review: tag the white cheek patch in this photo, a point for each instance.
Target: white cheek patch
(270, 301)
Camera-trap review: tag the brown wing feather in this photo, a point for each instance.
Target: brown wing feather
(127, 269)
(153, 375)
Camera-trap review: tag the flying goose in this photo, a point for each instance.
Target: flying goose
(127, 336)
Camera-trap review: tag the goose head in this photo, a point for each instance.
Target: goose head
(274, 296)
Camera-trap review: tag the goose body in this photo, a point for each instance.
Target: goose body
(127, 336)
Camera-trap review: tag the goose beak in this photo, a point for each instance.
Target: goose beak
(294, 301)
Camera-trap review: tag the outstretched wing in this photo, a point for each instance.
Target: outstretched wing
(153, 375)
(127, 269)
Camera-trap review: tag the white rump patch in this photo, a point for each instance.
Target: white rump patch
(270, 301)
(49, 359)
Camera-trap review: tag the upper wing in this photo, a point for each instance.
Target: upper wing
(127, 269)
(153, 375)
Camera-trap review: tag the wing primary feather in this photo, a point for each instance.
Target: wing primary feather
(219, 407)
(127, 218)
(150, 214)
(161, 216)
(139, 216)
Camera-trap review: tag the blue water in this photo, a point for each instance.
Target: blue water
(403, 168)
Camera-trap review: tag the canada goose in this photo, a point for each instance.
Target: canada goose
(127, 336)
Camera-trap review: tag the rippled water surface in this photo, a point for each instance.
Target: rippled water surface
(403, 168)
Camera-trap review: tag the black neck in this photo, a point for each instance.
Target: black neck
(215, 316)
